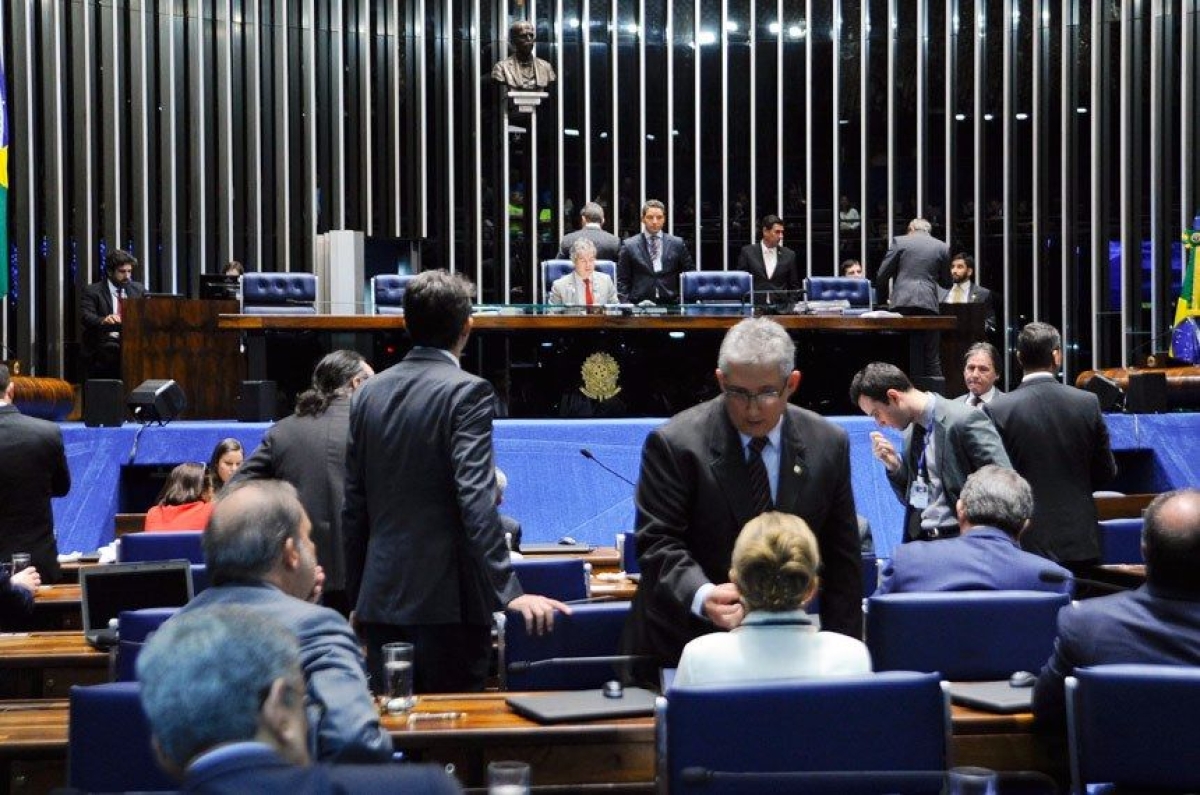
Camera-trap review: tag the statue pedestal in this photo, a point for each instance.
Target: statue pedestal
(526, 101)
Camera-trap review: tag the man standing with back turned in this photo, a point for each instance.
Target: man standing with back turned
(716, 466)
(426, 561)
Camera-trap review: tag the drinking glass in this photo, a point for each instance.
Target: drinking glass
(398, 676)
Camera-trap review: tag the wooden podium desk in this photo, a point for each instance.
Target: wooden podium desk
(46, 664)
(56, 607)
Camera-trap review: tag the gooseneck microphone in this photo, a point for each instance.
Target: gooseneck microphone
(521, 666)
(1056, 578)
(586, 453)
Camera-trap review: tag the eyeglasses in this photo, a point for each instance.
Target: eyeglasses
(764, 398)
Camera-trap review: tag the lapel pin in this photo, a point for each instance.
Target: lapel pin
(797, 469)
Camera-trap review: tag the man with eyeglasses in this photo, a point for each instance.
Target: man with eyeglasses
(714, 467)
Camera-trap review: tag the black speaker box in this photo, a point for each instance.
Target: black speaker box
(157, 400)
(1147, 393)
(256, 401)
(1106, 390)
(103, 403)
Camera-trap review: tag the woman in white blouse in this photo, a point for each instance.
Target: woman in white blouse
(775, 564)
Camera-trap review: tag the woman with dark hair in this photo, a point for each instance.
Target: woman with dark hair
(775, 565)
(185, 501)
(225, 460)
(308, 450)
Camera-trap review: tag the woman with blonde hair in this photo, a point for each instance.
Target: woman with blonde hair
(775, 566)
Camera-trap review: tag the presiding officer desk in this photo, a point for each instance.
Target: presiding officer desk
(33, 743)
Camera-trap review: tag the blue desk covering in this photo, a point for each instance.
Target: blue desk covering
(553, 490)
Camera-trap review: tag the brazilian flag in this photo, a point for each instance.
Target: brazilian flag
(3, 185)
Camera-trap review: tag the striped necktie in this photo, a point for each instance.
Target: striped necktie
(760, 484)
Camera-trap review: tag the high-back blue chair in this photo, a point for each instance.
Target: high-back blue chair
(964, 635)
(175, 545)
(108, 748)
(1131, 726)
(565, 579)
(839, 288)
(279, 294)
(629, 555)
(388, 290)
(553, 269)
(134, 628)
(892, 733)
(715, 292)
(592, 630)
(1121, 541)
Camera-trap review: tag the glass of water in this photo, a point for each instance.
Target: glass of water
(971, 781)
(398, 676)
(508, 778)
(21, 561)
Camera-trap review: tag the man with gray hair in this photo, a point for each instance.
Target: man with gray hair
(714, 467)
(260, 556)
(993, 510)
(608, 245)
(585, 286)
(920, 265)
(223, 690)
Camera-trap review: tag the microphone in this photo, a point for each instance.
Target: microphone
(521, 666)
(885, 780)
(586, 453)
(1056, 578)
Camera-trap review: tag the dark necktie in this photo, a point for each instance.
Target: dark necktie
(655, 247)
(120, 300)
(974, 400)
(917, 446)
(760, 484)
(588, 298)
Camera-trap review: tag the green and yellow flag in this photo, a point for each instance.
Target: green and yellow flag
(3, 185)
(1189, 294)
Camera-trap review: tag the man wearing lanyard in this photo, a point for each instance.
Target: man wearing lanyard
(651, 261)
(944, 442)
(100, 307)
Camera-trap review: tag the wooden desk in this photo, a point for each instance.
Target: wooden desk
(33, 745)
(1126, 506)
(39, 665)
(56, 607)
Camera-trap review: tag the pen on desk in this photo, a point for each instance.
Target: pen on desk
(419, 716)
(588, 600)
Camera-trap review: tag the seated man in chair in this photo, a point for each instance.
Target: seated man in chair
(585, 286)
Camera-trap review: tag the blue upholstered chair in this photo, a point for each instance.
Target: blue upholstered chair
(592, 630)
(715, 292)
(388, 290)
(553, 269)
(565, 579)
(837, 288)
(1121, 541)
(134, 628)
(629, 555)
(799, 735)
(108, 747)
(964, 635)
(175, 545)
(279, 294)
(1131, 726)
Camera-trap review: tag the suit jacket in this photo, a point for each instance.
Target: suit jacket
(1058, 441)
(636, 278)
(1150, 625)
(566, 290)
(693, 498)
(975, 295)
(35, 470)
(256, 767)
(963, 397)
(965, 440)
(95, 304)
(310, 453)
(608, 245)
(341, 711)
(424, 544)
(919, 263)
(787, 273)
(984, 559)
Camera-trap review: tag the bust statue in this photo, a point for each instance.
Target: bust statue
(522, 70)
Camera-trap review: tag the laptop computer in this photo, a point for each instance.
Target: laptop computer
(218, 286)
(992, 696)
(108, 589)
(580, 705)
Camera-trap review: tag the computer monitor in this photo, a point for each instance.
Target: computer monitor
(220, 286)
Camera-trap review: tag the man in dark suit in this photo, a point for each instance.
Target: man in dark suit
(944, 442)
(964, 290)
(16, 597)
(993, 510)
(981, 370)
(100, 309)
(35, 470)
(651, 261)
(920, 264)
(608, 245)
(1057, 439)
(223, 692)
(772, 264)
(714, 467)
(308, 450)
(1159, 623)
(425, 556)
(260, 556)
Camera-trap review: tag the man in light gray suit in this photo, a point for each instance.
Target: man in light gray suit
(980, 373)
(585, 286)
(920, 264)
(944, 442)
(308, 450)
(608, 245)
(260, 556)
